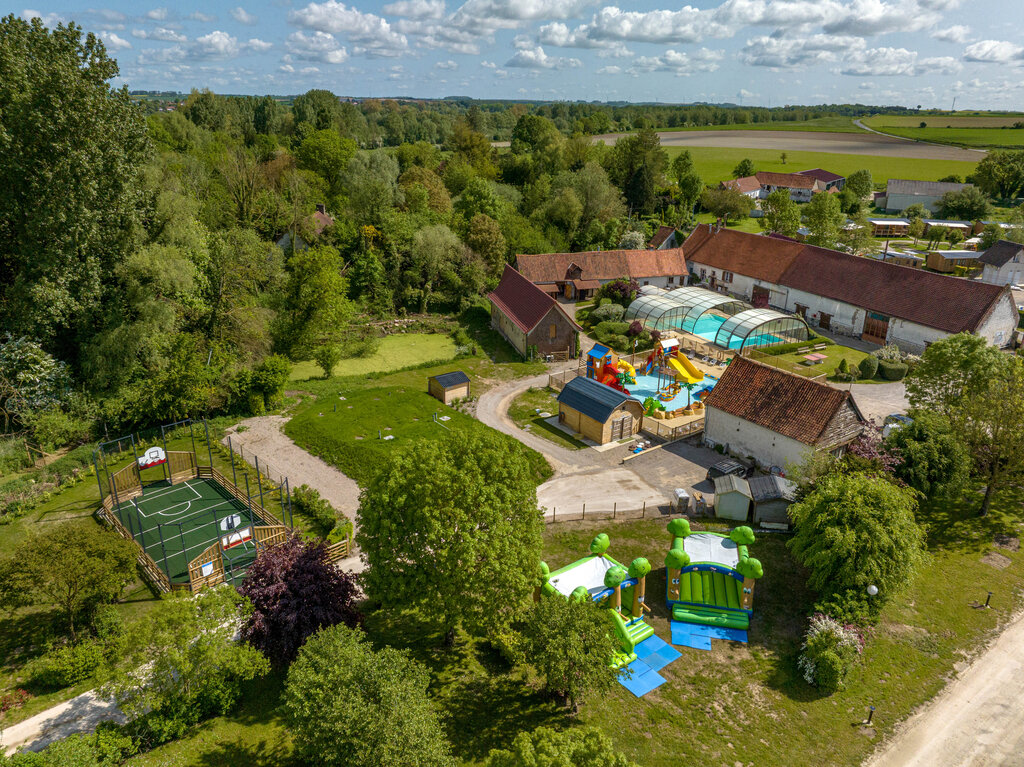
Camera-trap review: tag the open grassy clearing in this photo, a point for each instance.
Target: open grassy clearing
(715, 164)
(958, 120)
(737, 703)
(524, 411)
(794, 361)
(987, 138)
(395, 352)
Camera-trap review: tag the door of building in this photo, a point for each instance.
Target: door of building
(622, 427)
(825, 321)
(759, 296)
(876, 328)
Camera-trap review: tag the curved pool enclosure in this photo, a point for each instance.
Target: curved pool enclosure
(723, 320)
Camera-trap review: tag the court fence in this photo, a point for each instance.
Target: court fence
(151, 572)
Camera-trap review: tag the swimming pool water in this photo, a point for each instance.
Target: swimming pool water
(708, 325)
(647, 386)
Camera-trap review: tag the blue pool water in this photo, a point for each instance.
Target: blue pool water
(707, 328)
(647, 386)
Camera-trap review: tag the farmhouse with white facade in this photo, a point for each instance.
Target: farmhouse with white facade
(1003, 263)
(577, 276)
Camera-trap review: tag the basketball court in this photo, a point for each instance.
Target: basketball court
(176, 523)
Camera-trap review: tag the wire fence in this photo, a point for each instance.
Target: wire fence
(599, 510)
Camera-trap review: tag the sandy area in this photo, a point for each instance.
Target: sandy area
(602, 489)
(78, 715)
(977, 721)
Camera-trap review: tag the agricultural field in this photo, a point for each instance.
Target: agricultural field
(715, 164)
(963, 131)
(822, 124)
(958, 120)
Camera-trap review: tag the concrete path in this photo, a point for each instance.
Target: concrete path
(876, 401)
(78, 715)
(977, 721)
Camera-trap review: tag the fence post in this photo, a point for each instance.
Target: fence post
(615, 508)
(643, 514)
(259, 482)
(584, 510)
(231, 453)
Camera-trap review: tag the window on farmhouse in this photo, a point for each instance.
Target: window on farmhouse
(726, 276)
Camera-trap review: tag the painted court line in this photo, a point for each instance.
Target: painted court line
(187, 518)
(170, 490)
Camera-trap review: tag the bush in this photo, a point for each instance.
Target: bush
(511, 645)
(892, 371)
(342, 531)
(64, 666)
(844, 372)
(830, 672)
(829, 649)
(582, 315)
(107, 622)
(611, 328)
(54, 428)
(890, 353)
(607, 313)
(308, 502)
(813, 340)
(868, 367)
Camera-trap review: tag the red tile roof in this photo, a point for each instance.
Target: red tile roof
(523, 302)
(788, 404)
(663, 233)
(788, 180)
(933, 300)
(824, 176)
(745, 184)
(602, 264)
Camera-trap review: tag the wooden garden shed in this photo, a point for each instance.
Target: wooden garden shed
(598, 412)
(772, 496)
(732, 498)
(449, 387)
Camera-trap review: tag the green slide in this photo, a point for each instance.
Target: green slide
(729, 620)
(629, 634)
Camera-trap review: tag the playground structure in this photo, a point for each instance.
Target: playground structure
(710, 577)
(604, 366)
(193, 527)
(610, 585)
(674, 372)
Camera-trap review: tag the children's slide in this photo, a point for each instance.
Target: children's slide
(649, 365)
(630, 371)
(684, 370)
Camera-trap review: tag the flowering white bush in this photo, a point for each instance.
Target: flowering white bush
(828, 650)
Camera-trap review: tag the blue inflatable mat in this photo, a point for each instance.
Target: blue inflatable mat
(699, 637)
(644, 679)
(656, 652)
(719, 632)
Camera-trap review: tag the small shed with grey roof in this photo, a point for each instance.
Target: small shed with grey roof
(771, 497)
(598, 412)
(449, 387)
(732, 497)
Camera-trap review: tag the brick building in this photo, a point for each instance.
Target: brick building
(529, 317)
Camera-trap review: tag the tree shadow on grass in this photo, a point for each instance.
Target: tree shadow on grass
(264, 753)
(24, 636)
(953, 523)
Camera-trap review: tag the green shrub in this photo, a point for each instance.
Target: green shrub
(309, 503)
(64, 666)
(607, 312)
(603, 302)
(510, 644)
(582, 315)
(844, 372)
(892, 371)
(868, 367)
(13, 456)
(54, 428)
(829, 649)
(830, 674)
(107, 622)
(342, 531)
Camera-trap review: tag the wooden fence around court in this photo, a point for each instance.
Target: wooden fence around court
(181, 464)
(126, 483)
(269, 535)
(156, 577)
(213, 560)
(264, 516)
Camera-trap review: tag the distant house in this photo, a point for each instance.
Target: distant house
(947, 261)
(874, 300)
(901, 193)
(778, 418)
(1003, 263)
(319, 221)
(529, 317)
(577, 276)
(828, 178)
(899, 258)
(889, 227)
(663, 239)
(598, 411)
(800, 187)
(966, 228)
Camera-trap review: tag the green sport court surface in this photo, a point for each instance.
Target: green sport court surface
(176, 523)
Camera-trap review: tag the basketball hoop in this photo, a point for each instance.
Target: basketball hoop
(152, 457)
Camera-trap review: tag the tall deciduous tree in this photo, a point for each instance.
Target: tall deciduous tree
(859, 183)
(348, 706)
(781, 214)
(295, 592)
(969, 203)
(545, 747)
(636, 164)
(952, 370)
(726, 203)
(824, 219)
(70, 189)
(744, 168)
(316, 309)
(932, 457)
(454, 531)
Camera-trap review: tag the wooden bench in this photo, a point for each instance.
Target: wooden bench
(820, 347)
(803, 350)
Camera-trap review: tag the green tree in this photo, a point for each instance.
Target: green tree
(970, 204)
(71, 205)
(570, 645)
(181, 663)
(478, 197)
(69, 567)
(951, 371)
(1000, 173)
(781, 214)
(916, 211)
(30, 379)
(853, 531)
(726, 203)
(600, 199)
(932, 456)
(315, 310)
(438, 199)
(485, 238)
(860, 184)
(545, 747)
(320, 109)
(459, 521)
(372, 184)
(916, 229)
(327, 154)
(744, 168)
(350, 706)
(636, 164)
(857, 238)
(824, 219)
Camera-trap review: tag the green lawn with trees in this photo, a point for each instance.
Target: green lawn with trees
(525, 411)
(393, 353)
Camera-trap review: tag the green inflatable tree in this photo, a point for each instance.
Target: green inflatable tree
(600, 544)
(742, 536)
(639, 568)
(675, 560)
(613, 578)
(580, 594)
(679, 527)
(749, 567)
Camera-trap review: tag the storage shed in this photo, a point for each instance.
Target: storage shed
(772, 496)
(449, 387)
(732, 497)
(598, 412)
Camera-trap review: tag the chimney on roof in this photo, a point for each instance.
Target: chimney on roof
(321, 208)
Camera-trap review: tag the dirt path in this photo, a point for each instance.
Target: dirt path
(977, 721)
(78, 715)
(264, 436)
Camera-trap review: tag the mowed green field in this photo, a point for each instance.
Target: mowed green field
(820, 124)
(715, 164)
(951, 130)
(945, 120)
(395, 352)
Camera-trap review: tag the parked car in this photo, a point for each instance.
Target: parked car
(895, 421)
(728, 466)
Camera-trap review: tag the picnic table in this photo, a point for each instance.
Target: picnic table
(815, 359)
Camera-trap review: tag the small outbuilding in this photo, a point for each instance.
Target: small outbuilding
(598, 412)
(449, 387)
(732, 497)
(772, 496)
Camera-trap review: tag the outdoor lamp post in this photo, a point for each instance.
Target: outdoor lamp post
(872, 592)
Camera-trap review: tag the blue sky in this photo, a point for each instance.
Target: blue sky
(756, 52)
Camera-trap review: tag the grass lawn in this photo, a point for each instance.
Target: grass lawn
(965, 131)
(351, 435)
(736, 703)
(793, 362)
(747, 224)
(396, 351)
(524, 412)
(715, 164)
(958, 120)
(832, 124)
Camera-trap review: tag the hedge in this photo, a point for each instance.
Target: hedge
(892, 371)
(868, 367)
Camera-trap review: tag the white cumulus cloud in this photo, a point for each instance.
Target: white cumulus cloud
(996, 51)
(416, 9)
(529, 56)
(957, 33)
(114, 41)
(369, 31)
(160, 33)
(318, 46)
(242, 16)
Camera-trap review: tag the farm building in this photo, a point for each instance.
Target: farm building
(448, 387)
(663, 239)
(598, 412)
(864, 297)
(901, 193)
(530, 318)
(732, 498)
(1003, 263)
(889, 227)
(828, 178)
(316, 224)
(772, 496)
(947, 261)
(577, 276)
(800, 187)
(778, 418)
